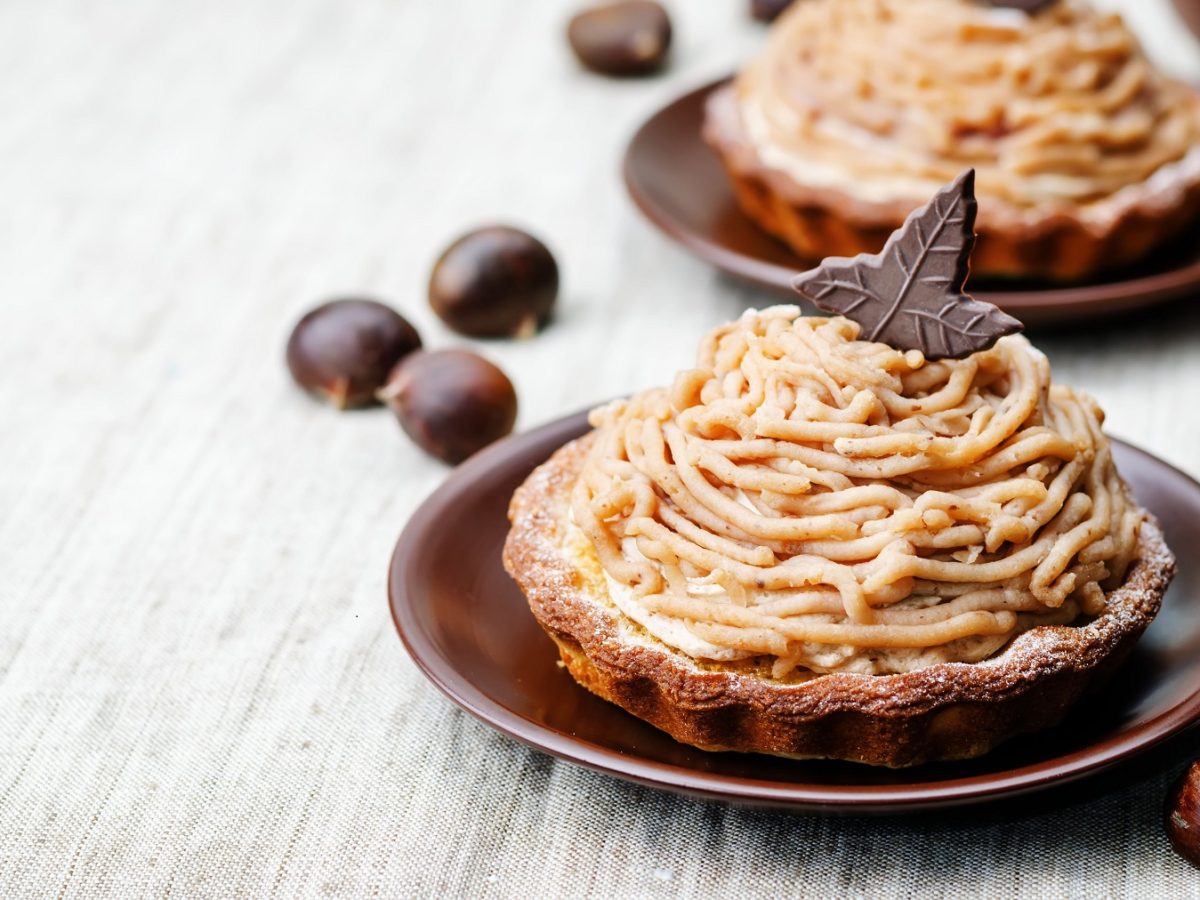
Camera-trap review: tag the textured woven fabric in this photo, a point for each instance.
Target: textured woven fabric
(201, 692)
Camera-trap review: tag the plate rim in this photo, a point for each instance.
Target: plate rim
(1067, 768)
(1056, 304)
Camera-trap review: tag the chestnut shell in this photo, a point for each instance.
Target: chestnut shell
(1181, 814)
(626, 38)
(452, 403)
(768, 10)
(497, 281)
(343, 350)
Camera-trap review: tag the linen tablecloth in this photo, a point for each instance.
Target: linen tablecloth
(201, 691)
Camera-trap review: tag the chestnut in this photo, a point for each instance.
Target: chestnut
(497, 281)
(1028, 6)
(344, 349)
(1182, 814)
(630, 37)
(451, 402)
(768, 10)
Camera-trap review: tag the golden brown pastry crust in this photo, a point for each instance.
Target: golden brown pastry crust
(817, 222)
(942, 712)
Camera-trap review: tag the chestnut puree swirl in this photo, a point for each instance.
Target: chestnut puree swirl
(892, 98)
(839, 505)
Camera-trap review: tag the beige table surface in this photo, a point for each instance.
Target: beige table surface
(201, 693)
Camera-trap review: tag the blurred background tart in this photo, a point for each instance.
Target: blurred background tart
(856, 110)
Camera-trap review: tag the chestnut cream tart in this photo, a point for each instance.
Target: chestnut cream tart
(856, 110)
(816, 545)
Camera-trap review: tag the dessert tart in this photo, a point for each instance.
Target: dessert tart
(857, 110)
(820, 542)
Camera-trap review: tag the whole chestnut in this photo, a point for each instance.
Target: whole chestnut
(1182, 814)
(497, 281)
(451, 402)
(344, 349)
(629, 37)
(768, 10)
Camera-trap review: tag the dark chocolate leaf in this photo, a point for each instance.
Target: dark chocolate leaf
(910, 295)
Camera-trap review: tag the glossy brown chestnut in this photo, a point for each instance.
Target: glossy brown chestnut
(626, 38)
(451, 402)
(494, 282)
(1182, 814)
(343, 350)
(1028, 6)
(768, 10)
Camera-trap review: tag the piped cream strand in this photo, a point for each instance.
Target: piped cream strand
(841, 505)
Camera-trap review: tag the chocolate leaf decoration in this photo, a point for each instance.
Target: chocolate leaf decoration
(910, 294)
(1029, 6)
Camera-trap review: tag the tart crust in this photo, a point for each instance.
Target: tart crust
(941, 712)
(818, 222)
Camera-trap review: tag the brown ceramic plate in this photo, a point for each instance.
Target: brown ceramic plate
(678, 182)
(468, 627)
(1190, 11)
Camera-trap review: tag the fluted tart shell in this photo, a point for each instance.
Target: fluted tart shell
(819, 221)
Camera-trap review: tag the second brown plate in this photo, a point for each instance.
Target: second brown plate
(468, 627)
(678, 182)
